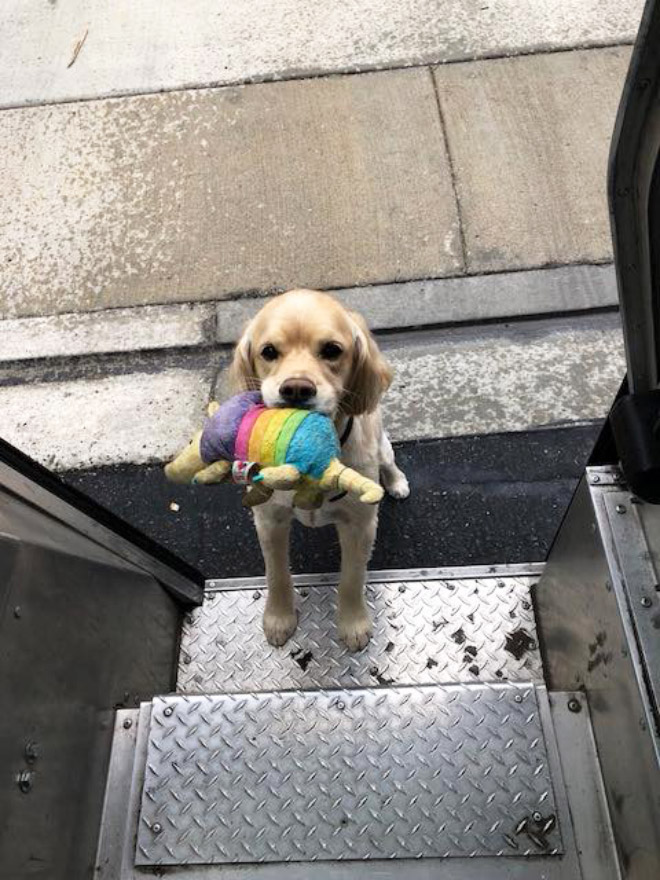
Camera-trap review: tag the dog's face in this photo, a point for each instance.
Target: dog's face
(305, 350)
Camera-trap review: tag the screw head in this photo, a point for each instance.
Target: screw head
(156, 828)
(402, 588)
(341, 704)
(574, 705)
(536, 816)
(167, 711)
(646, 602)
(24, 780)
(256, 594)
(621, 508)
(595, 478)
(31, 751)
(518, 698)
(128, 724)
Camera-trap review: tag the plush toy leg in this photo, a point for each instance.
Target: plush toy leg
(214, 473)
(187, 463)
(337, 476)
(285, 476)
(308, 495)
(256, 494)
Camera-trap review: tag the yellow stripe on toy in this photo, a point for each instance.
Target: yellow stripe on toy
(268, 451)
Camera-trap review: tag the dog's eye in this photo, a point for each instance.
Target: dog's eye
(269, 353)
(330, 351)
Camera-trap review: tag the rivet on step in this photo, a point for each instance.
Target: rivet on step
(156, 828)
(518, 698)
(595, 478)
(646, 602)
(31, 751)
(167, 711)
(574, 705)
(621, 508)
(128, 724)
(24, 780)
(402, 588)
(341, 705)
(537, 817)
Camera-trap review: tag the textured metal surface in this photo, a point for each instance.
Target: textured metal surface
(424, 632)
(383, 773)
(591, 645)
(635, 529)
(383, 576)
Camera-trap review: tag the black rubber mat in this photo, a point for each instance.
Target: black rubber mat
(475, 500)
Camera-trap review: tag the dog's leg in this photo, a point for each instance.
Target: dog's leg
(394, 480)
(273, 528)
(357, 540)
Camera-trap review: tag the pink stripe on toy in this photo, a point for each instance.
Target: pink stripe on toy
(244, 431)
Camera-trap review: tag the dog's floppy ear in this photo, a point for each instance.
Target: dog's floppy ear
(242, 375)
(371, 374)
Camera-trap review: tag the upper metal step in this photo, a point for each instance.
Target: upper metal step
(429, 627)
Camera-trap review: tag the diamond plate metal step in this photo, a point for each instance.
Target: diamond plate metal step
(409, 772)
(426, 630)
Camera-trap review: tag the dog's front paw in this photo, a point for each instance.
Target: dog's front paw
(397, 486)
(355, 629)
(279, 626)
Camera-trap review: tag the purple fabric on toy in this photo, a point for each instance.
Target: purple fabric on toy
(220, 430)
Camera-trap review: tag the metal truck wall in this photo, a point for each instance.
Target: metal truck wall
(595, 601)
(81, 633)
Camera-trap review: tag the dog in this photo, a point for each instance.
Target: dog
(304, 349)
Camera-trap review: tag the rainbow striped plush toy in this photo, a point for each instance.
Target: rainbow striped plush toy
(271, 448)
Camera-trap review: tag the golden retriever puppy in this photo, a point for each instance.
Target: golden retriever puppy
(304, 349)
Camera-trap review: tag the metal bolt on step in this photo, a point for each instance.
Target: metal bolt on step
(646, 602)
(621, 508)
(518, 698)
(574, 705)
(31, 751)
(24, 780)
(167, 711)
(156, 828)
(595, 478)
(128, 724)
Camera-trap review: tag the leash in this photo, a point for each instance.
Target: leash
(346, 433)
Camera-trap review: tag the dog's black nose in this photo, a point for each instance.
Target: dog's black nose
(297, 391)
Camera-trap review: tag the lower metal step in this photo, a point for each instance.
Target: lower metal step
(385, 773)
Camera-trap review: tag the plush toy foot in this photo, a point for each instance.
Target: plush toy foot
(279, 627)
(285, 476)
(214, 473)
(355, 629)
(338, 476)
(187, 463)
(303, 499)
(257, 494)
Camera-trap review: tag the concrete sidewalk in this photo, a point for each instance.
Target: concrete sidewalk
(89, 49)
(139, 232)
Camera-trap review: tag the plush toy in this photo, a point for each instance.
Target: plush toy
(271, 448)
